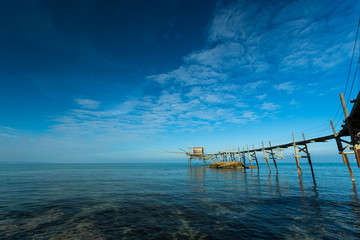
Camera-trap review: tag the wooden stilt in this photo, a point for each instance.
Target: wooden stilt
(344, 105)
(349, 168)
(255, 157)
(243, 155)
(265, 157)
(309, 159)
(353, 141)
(249, 155)
(338, 141)
(296, 156)
(239, 155)
(345, 158)
(234, 153)
(273, 158)
(229, 154)
(357, 154)
(230, 157)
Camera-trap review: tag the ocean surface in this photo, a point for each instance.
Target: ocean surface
(177, 201)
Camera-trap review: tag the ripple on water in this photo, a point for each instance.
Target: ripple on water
(175, 202)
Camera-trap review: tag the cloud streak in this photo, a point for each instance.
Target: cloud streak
(87, 103)
(243, 63)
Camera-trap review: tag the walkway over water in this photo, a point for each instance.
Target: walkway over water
(350, 129)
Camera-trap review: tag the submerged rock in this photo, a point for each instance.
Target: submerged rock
(233, 164)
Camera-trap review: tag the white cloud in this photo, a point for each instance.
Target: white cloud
(269, 106)
(252, 88)
(189, 75)
(289, 87)
(209, 95)
(261, 97)
(170, 111)
(87, 103)
(221, 57)
(293, 103)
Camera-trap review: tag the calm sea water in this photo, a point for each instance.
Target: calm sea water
(175, 201)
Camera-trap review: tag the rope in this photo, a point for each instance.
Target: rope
(348, 77)
(352, 57)
(357, 66)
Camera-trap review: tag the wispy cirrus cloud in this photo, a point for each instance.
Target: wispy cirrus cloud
(243, 63)
(286, 41)
(269, 106)
(149, 115)
(87, 103)
(288, 87)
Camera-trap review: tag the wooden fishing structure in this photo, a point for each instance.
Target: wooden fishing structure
(350, 129)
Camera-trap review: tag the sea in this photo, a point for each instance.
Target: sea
(177, 201)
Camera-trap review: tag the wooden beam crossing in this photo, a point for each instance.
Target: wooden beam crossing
(350, 129)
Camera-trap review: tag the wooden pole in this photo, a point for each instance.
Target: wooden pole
(265, 157)
(243, 155)
(257, 164)
(229, 154)
(333, 128)
(349, 168)
(338, 142)
(247, 147)
(234, 153)
(213, 156)
(345, 158)
(230, 157)
(239, 154)
(222, 155)
(309, 159)
(273, 158)
(344, 105)
(296, 155)
(357, 153)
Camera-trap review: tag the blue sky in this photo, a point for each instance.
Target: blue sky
(105, 81)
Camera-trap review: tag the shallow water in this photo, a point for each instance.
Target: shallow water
(175, 201)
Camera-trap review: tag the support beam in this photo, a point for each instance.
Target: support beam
(230, 155)
(309, 159)
(357, 153)
(249, 155)
(341, 148)
(255, 157)
(296, 156)
(239, 155)
(243, 156)
(265, 157)
(234, 153)
(344, 105)
(272, 156)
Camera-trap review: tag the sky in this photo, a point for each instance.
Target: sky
(109, 81)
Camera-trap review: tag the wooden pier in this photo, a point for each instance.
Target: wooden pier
(350, 129)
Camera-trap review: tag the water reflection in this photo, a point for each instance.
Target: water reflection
(278, 192)
(180, 202)
(301, 184)
(247, 181)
